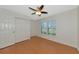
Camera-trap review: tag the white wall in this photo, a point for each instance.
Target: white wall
(34, 28)
(78, 27)
(66, 32)
(20, 28)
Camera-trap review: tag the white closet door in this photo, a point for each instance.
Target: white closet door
(22, 30)
(11, 30)
(7, 28)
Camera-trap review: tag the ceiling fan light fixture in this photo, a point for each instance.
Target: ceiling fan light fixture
(38, 13)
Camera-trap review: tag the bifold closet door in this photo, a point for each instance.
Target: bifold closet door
(7, 31)
(22, 30)
(13, 30)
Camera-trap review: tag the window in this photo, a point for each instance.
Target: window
(52, 27)
(44, 27)
(48, 27)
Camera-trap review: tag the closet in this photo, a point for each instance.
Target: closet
(13, 30)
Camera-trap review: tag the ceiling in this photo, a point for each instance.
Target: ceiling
(51, 9)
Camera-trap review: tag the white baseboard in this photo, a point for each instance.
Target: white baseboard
(1, 47)
(11, 43)
(48, 38)
(78, 49)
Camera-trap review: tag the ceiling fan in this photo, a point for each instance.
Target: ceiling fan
(39, 10)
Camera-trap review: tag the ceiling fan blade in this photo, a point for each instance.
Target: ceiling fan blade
(44, 12)
(41, 7)
(32, 9)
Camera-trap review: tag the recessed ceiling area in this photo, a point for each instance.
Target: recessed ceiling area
(51, 9)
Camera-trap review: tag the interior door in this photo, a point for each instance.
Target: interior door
(13, 30)
(22, 30)
(7, 29)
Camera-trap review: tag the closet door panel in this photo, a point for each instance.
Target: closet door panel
(11, 30)
(7, 38)
(22, 30)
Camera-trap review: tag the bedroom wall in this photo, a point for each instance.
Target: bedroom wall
(78, 27)
(66, 28)
(34, 28)
(13, 28)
